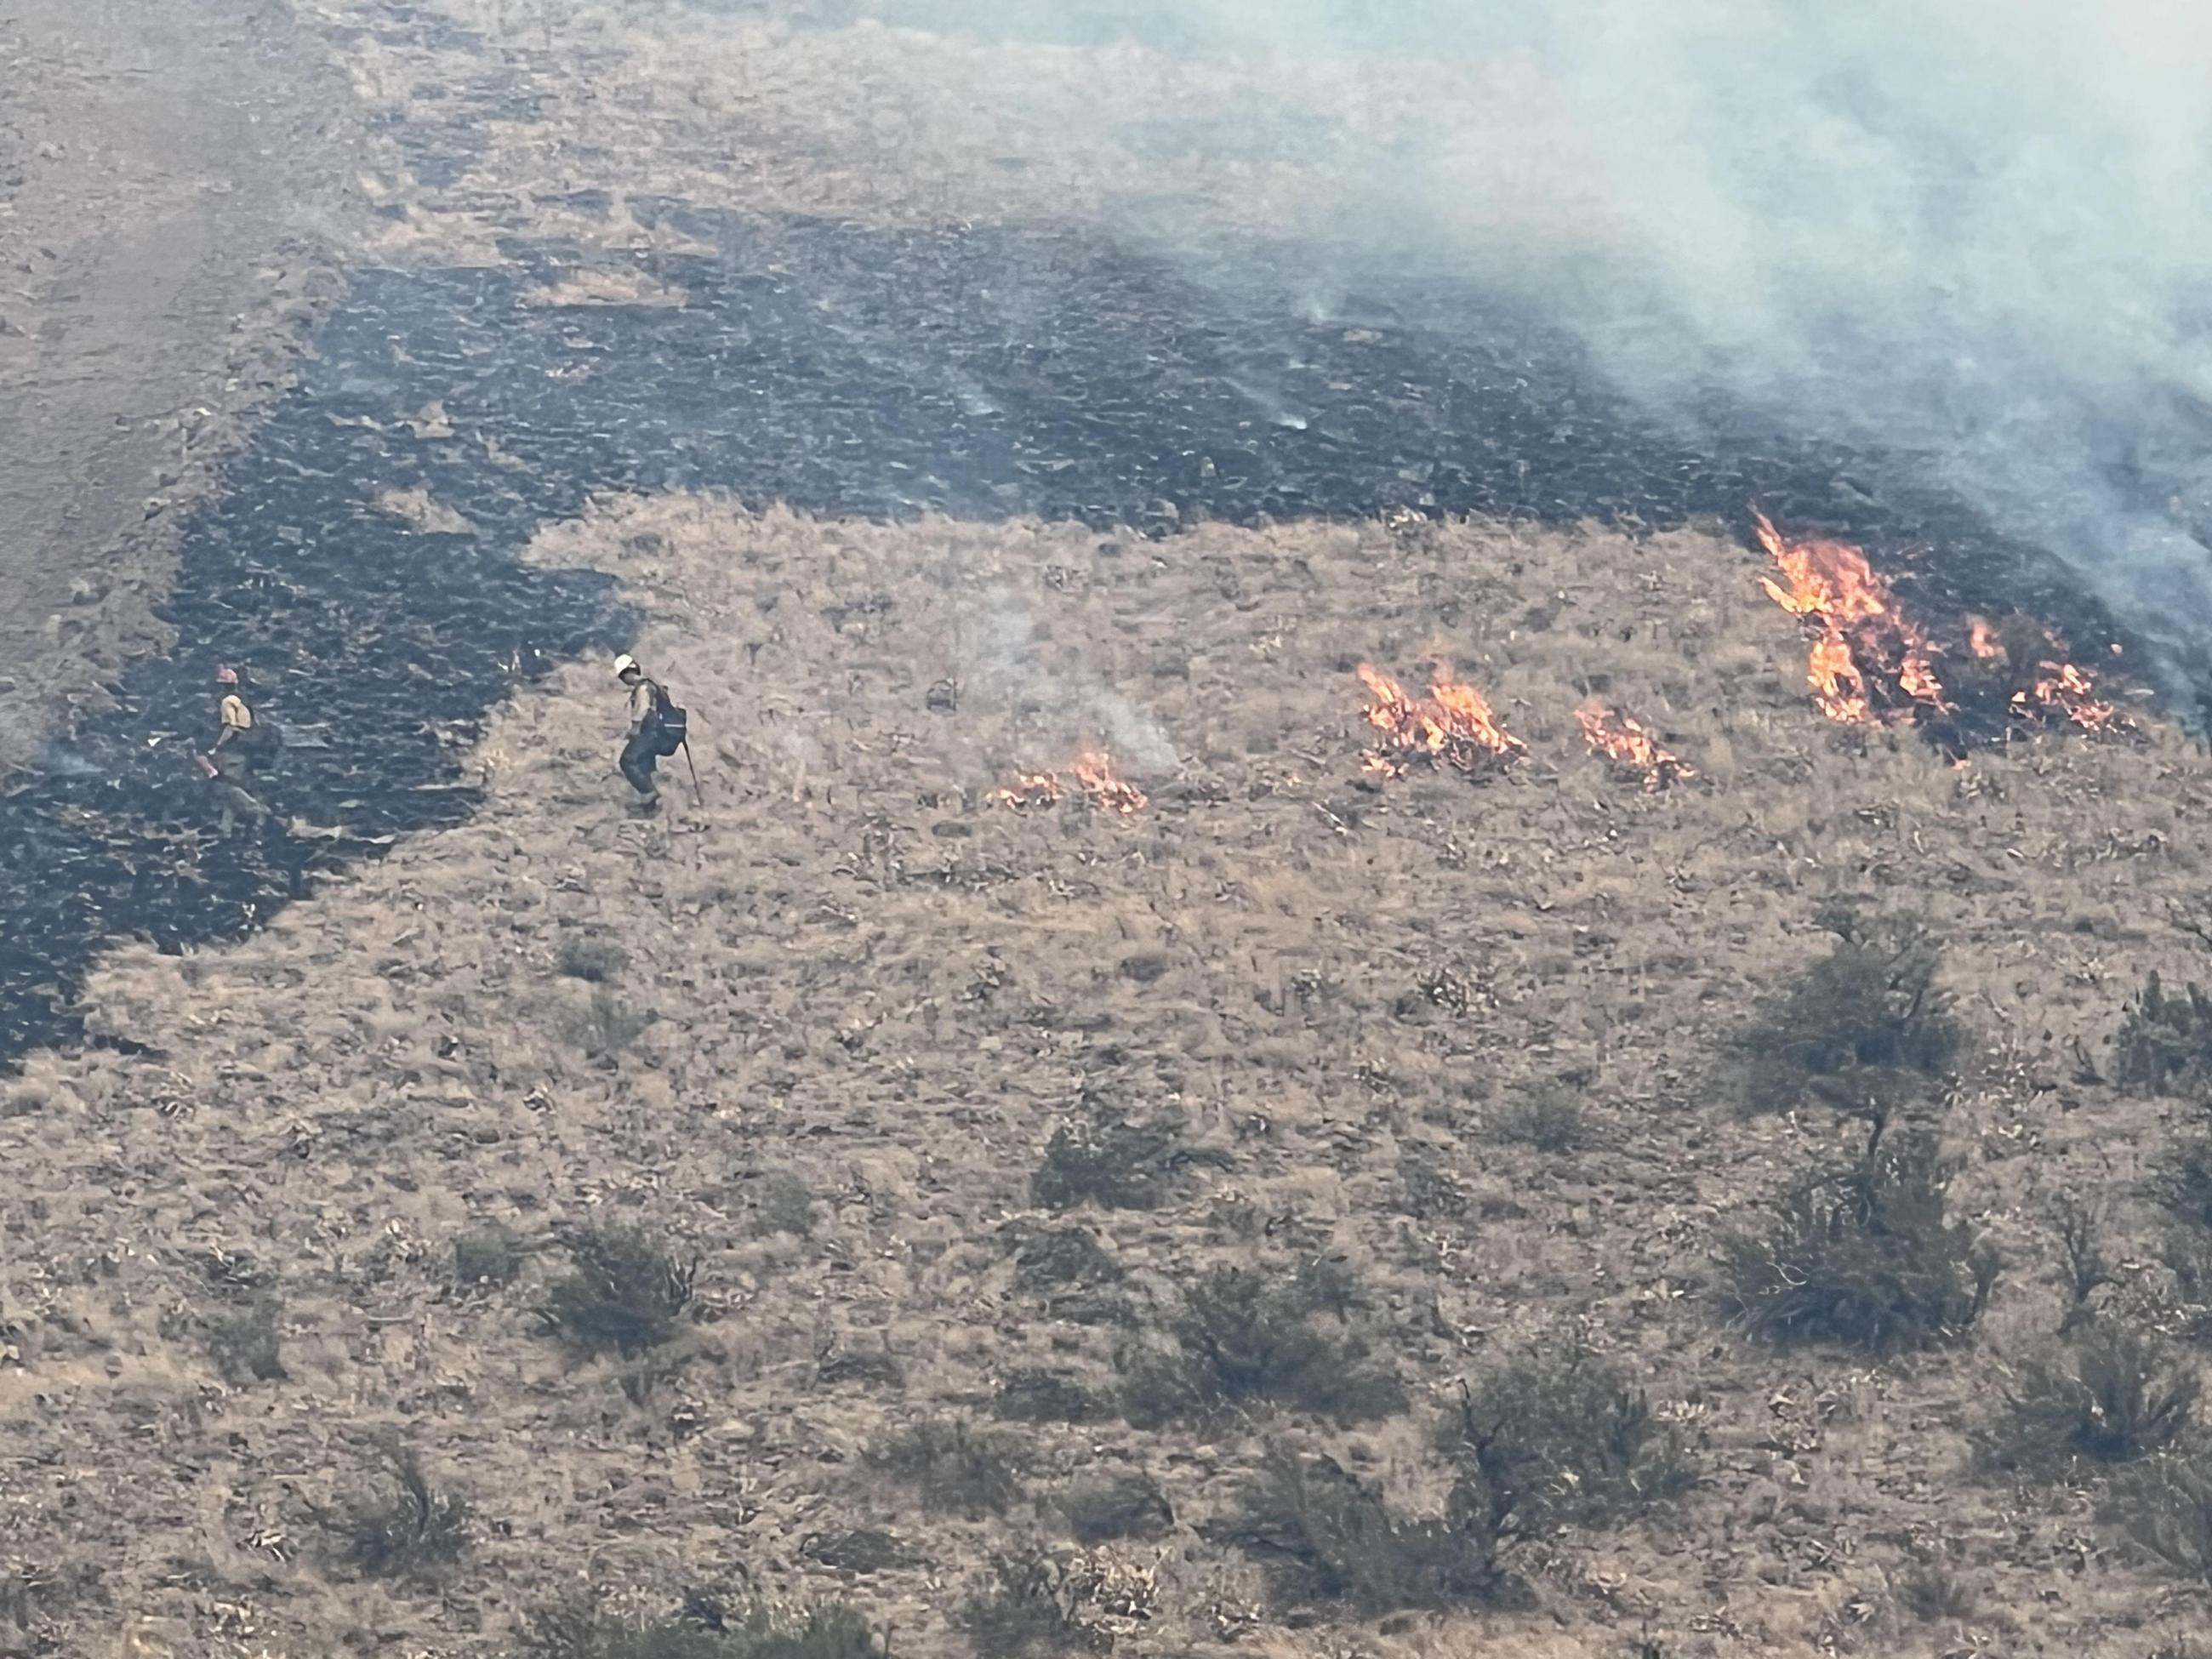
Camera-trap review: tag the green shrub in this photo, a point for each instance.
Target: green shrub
(861, 1551)
(1865, 1256)
(1241, 1336)
(1862, 1029)
(398, 1525)
(953, 1468)
(2110, 1396)
(1328, 1537)
(603, 1025)
(1562, 1434)
(2165, 1043)
(626, 1294)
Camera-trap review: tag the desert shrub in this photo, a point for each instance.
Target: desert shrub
(2077, 1225)
(2165, 1043)
(603, 1025)
(1864, 1027)
(705, 1630)
(1114, 1162)
(398, 1525)
(1549, 1117)
(783, 1203)
(592, 958)
(1037, 1395)
(1563, 1434)
(2110, 1396)
(1241, 1336)
(245, 1344)
(2163, 1507)
(1866, 1256)
(1328, 1537)
(489, 1253)
(1930, 1594)
(625, 1295)
(1124, 1504)
(1067, 1269)
(834, 1364)
(954, 1467)
(1026, 1606)
(2184, 1173)
(861, 1551)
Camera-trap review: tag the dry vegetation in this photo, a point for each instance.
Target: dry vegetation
(1021, 1231)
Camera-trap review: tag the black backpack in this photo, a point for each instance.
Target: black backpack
(671, 722)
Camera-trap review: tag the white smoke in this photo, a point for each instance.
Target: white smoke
(1971, 230)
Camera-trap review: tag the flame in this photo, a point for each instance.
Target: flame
(2059, 687)
(1030, 789)
(1104, 789)
(1627, 743)
(1100, 787)
(1453, 726)
(1866, 654)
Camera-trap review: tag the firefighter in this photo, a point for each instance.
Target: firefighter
(641, 755)
(241, 748)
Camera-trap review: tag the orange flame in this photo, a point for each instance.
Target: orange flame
(1101, 787)
(2059, 687)
(1104, 789)
(1624, 741)
(1866, 653)
(1453, 726)
(1031, 789)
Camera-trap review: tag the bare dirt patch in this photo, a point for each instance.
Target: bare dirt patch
(811, 1039)
(169, 194)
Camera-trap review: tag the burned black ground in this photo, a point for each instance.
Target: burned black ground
(877, 374)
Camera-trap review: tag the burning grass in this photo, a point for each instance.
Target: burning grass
(1873, 663)
(1093, 779)
(1453, 728)
(1629, 745)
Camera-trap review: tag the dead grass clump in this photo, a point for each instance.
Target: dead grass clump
(705, 1630)
(1548, 1117)
(246, 1343)
(1037, 1395)
(1243, 1336)
(1113, 1162)
(1866, 1256)
(626, 1294)
(1562, 1434)
(953, 1468)
(398, 1525)
(1328, 1537)
(783, 1203)
(1866, 1024)
(2165, 1043)
(489, 1253)
(1026, 1605)
(1124, 1504)
(2110, 1396)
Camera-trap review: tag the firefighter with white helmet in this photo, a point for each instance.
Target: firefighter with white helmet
(641, 753)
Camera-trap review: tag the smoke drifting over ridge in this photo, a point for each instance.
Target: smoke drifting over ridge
(1974, 231)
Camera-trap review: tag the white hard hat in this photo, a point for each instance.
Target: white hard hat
(623, 664)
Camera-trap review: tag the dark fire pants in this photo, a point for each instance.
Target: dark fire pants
(639, 756)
